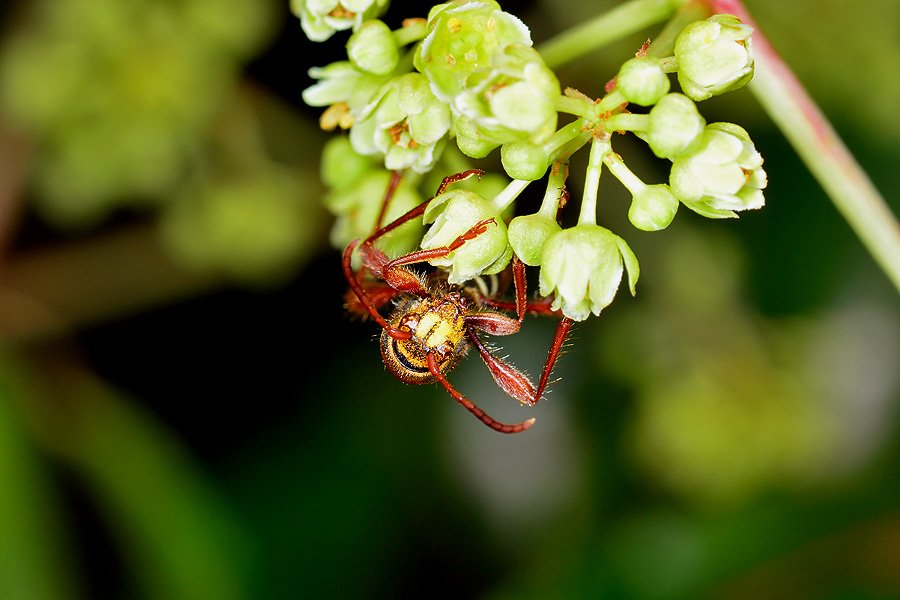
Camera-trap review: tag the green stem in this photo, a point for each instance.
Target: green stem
(567, 140)
(580, 107)
(627, 122)
(556, 185)
(662, 45)
(588, 214)
(615, 24)
(509, 193)
(411, 32)
(820, 148)
(621, 172)
(612, 100)
(668, 64)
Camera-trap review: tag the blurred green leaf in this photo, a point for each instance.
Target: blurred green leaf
(175, 531)
(34, 552)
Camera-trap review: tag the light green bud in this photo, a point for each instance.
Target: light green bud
(320, 19)
(642, 81)
(524, 160)
(405, 123)
(373, 49)
(714, 56)
(722, 174)
(582, 268)
(453, 214)
(653, 208)
(674, 125)
(469, 139)
(528, 234)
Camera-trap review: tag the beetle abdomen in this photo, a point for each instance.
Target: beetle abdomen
(437, 327)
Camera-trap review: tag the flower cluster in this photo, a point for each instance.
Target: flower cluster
(470, 74)
(466, 81)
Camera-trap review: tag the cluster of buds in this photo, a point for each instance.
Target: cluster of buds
(467, 76)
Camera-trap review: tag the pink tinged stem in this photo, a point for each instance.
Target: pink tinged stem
(821, 149)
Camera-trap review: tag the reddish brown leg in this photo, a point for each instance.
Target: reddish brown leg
(367, 302)
(511, 380)
(425, 255)
(539, 307)
(562, 330)
(521, 305)
(396, 176)
(418, 210)
(374, 258)
(401, 279)
(378, 293)
(471, 407)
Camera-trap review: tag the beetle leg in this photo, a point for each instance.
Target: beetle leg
(364, 298)
(520, 288)
(541, 306)
(396, 177)
(420, 256)
(562, 330)
(511, 380)
(401, 279)
(451, 179)
(418, 210)
(521, 304)
(470, 406)
(379, 294)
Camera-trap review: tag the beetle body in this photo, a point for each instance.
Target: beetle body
(437, 324)
(434, 323)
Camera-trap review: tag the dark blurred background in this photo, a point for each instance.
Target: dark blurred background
(186, 411)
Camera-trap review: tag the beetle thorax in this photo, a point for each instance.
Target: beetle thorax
(437, 325)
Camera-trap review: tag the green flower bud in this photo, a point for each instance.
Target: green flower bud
(524, 160)
(511, 98)
(528, 234)
(722, 174)
(405, 123)
(469, 139)
(653, 208)
(320, 19)
(582, 268)
(462, 37)
(714, 56)
(357, 208)
(342, 82)
(674, 125)
(342, 167)
(453, 214)
(642, 81)
(373, 49)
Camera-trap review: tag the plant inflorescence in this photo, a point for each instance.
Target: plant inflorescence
(419, 101)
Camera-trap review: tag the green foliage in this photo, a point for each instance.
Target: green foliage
(102, 85)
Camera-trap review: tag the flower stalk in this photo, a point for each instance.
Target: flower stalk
(826, 156)
(621, 21)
